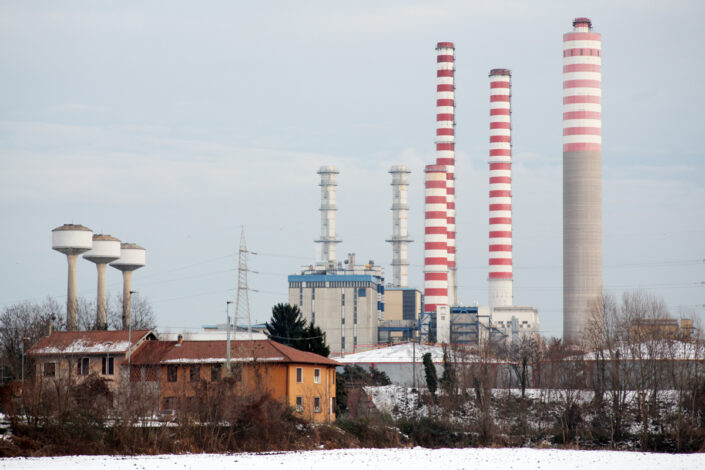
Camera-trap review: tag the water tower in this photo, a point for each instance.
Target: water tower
(105, 250)
(132, 257)
(71, 240)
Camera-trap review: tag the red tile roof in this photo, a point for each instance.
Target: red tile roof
(171, 352)
(87, 342)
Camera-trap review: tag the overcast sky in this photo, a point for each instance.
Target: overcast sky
(171, 124)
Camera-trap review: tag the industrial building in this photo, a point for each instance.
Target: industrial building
(516, 322)
(345, 300)
(402, 310)
(582, 176)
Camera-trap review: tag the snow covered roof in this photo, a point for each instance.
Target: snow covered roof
(399, 353)
(660, 349)
(87, 342)
(209, 352)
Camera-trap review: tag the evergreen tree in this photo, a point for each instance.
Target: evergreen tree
(286, 326)
(315, 340)
(431, 376)
(448, 380)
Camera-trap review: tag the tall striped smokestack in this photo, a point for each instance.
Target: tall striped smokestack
(400, 234)
(445, 146)
(329, 237)
(500, 263)
(435, 239)
(582, 176)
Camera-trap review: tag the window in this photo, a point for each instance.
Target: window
(299, 375)
(169, 403)
(316, 376)
(236, 372)
(172, 373)
(216, 370)
(195, 373)
(316, 404)
(108, 366)
(49, 369)
(83, 366)
(299, 404)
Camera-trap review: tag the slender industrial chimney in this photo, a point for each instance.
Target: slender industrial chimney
(445, 147)
(71, 240)
(328, 236)
(400, 233)
(106, 249)
(500, 263)
(582, 176)
(435, 239)
(132, 257)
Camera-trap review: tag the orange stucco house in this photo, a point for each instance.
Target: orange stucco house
(182, 370)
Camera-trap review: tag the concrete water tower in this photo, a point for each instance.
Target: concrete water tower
(106, 249)
(132, 257)
(71, 240)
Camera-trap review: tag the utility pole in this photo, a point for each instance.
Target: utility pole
(413, 361)
(242, 302)
(129, 338)
(227, 326)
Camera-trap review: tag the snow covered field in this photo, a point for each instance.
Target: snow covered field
(387, 459)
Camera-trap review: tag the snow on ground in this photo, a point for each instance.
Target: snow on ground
(387, 459)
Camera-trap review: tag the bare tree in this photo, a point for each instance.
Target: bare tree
(142, 313)
(643, 319)
(604, 337)
(21, 325)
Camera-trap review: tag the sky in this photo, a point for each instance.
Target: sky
(174, 124)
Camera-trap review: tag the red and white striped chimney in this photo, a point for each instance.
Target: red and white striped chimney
(582, 176)
(445, 147)
(500, 263)
(435, 239)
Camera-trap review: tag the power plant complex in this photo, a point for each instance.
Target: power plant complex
(324, 291)
(353, 303)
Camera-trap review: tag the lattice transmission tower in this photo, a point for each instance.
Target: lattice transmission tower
(242, 302)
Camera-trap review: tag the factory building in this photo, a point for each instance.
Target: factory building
(516, 322)
(346, 301)
(582, 176)
(402, 310)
